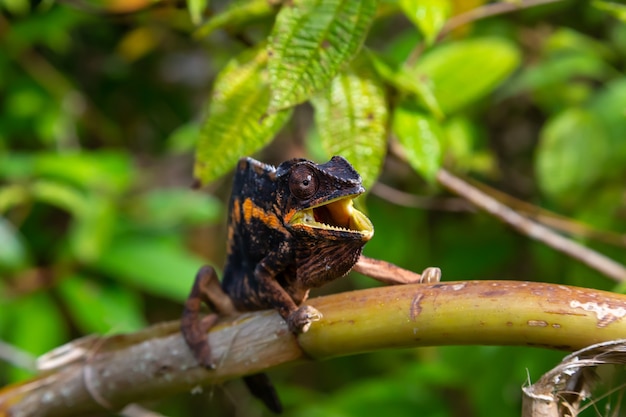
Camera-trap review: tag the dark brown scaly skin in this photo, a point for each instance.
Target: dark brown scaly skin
(291, 228)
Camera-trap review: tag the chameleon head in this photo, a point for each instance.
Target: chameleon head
(320, 200)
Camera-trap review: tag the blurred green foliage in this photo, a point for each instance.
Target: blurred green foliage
(104, 103)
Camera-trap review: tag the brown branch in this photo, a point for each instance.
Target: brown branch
(589, 257)
(110, 372)
(401, 198)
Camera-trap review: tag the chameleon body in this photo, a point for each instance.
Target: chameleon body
(290, 228)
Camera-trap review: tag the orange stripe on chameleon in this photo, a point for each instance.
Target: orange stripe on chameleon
(236, 213)
(251, 211)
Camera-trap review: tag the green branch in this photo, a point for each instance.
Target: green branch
(110, 372)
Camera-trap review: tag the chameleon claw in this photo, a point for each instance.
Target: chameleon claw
(431, 275)
(300, 320)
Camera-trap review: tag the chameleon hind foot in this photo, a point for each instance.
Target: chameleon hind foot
(300, 320)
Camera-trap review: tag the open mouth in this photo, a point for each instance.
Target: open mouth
(337, 215)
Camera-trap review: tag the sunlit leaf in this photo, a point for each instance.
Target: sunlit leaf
(351, 117)
(465, 71)
(572, 151)
(408, 82)
(61, 195)
(420, 137)
(160, 267)
(428, 15)
(310, 41)
(99, 308)
(235, 16)
(237, 124)
(196, 8)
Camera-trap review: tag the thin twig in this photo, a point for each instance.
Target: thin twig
(401, 198)
(17, 357)
(531, 228)
(489, 10)
(549, 218)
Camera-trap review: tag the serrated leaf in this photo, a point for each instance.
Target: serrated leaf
(236, 124)
(153, 264)
(102, 309)
(351, 118)
(310, 41)
(572, 151)
(420, 137)
(428, 15)
(407, 82)
(464, 71)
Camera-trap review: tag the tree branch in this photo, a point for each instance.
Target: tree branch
(109, 372)
(531, 228)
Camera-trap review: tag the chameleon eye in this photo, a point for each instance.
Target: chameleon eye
(303, 182)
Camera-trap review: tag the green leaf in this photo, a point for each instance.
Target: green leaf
(617, 10)
(184, 138)
(13, 254)
(36, 326)
(236, 16)
(108, 171)
(93, 216)
(164, 208)
(459, 138)
(572, 151)
(158, 266)
(407, 82)
(61, 195)
(428, 15)
(420, 137)
(351, 117)
(609, 106)
(310, 41)
(102, 309)
(237, 124)
(92, 228)
(196, 9)
(465, 71)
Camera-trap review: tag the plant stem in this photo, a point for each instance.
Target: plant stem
(110, 372)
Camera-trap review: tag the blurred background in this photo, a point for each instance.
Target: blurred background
(101, 106)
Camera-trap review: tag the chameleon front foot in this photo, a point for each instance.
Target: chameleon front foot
(300, 320)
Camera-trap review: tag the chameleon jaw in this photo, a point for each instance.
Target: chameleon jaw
(336, 215)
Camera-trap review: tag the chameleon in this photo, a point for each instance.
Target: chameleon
(291, 228)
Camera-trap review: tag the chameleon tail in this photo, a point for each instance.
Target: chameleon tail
(261, 387)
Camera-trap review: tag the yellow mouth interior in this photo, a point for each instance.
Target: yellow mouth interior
(337, 215)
